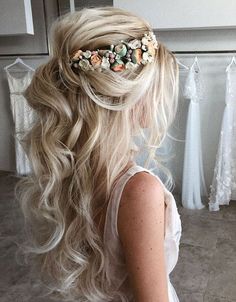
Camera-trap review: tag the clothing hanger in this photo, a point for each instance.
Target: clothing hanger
(195, 63)
(181, 64)
(230, 64)
(17, 61)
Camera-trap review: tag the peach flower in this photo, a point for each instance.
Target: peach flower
(96, 60)
(118, 66)
(151, 49)
(77, 54)
(137, 56)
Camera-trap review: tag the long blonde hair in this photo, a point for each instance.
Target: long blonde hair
(81, 141)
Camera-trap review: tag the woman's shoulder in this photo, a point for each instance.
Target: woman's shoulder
(141, 229)
(142, 196)
(142, 184)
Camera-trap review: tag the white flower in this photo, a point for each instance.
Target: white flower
(134, 44)
(147, 57)
(153, 38)
(84, 64)
(87, 54)
(150, 36)
(145, 40)
(105, 63)
(144, 47)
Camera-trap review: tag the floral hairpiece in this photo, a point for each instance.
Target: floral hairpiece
(124, 55)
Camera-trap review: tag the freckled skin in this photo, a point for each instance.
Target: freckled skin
(142, 237)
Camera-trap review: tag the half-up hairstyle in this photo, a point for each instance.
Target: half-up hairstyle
(81, 141)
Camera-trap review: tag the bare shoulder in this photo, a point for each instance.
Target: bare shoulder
(140, 225)
(142, 185)
(143, 196)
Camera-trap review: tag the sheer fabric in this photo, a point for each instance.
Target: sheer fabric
(115, 261)
(22, 116)
(193, 185)
(223, 187)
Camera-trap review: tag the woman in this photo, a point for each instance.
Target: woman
(102, 227)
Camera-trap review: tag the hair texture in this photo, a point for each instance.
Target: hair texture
(82, 138)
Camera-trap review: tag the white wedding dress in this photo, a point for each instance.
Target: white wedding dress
(22, 114)
(223, 188)
(193, 185)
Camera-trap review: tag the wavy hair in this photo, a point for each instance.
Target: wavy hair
(81, 141)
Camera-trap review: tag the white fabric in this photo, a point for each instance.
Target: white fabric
(115, 264)
(193, 185)
(223, 187)
(22, 117)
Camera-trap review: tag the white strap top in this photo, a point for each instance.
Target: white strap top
(115, 268)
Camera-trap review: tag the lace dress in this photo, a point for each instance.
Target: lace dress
(193, 185)
(223, 187)
(22, 116)
(115, 264)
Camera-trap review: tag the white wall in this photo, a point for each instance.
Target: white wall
(169, 14)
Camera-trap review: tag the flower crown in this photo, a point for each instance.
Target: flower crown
(124, 55)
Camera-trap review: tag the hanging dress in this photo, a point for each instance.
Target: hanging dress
(223, 187)
(115, 267)
(193, 185)
(22, 116)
